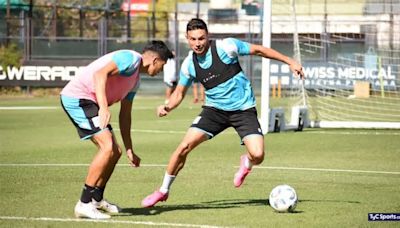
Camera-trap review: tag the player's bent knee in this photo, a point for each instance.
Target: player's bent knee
(257, 157)
(110, 149)
(106, 147)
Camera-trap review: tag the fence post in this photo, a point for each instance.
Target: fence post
(102, 36)
(28, 39)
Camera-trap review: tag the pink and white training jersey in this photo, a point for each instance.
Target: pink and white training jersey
(117, 87)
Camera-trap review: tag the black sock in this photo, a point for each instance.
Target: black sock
(98, 193)
(87, 194)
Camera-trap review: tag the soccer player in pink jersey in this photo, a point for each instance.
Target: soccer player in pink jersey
(112, 78)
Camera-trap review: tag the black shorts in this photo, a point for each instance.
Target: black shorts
(213, 121)
(84, 114)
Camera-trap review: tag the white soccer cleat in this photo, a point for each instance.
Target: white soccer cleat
(89, 210)
(106, 206)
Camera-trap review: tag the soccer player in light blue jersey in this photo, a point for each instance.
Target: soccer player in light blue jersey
(229, 102)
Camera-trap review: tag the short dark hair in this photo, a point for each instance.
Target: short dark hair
(196, 23)
(160, 48)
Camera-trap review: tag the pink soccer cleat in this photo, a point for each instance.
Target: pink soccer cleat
(154, 198)
(241, 173)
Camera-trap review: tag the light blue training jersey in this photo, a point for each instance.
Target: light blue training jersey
(234, 94)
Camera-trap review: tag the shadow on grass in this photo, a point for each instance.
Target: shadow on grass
(328, 201)
(218, 204)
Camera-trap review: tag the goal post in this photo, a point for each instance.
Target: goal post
(293, 116)
(265, 71)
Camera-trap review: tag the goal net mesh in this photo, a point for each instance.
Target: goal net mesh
(350, 51)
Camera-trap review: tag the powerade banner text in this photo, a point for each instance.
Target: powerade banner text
(317, 75)
(47, 76)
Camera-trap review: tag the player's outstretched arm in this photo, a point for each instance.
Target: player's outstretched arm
(270, 53)
(174, 101)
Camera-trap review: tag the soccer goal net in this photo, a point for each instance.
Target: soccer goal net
(351, 57)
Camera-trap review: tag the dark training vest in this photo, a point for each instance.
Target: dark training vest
(218, 72)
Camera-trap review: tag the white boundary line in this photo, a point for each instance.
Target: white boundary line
(111, 221)
(161, 165)
(27, 107)
(156, 131)
(304, 132)
(57, 107)
(182, 132)
(335, 132)
(68, 165)
(329, 170)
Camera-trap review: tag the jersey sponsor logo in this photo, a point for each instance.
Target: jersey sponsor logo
(210, 77)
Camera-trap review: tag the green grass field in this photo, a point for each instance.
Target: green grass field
(340, 175)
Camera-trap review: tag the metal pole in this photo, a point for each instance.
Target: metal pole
(80, 19)
(107, 8)
(325, 37)
(128, 24)
(8, 15)
(105, 28)
(29, 32)
(30, 9)
(176, 33)
(28, 38)
(8, 9)
(391, 27)
(198, 9)
(54, 27)
(153, 19)
(176, 30)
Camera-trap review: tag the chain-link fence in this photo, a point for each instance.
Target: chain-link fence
(328, 30)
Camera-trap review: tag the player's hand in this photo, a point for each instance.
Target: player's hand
(161, 111)
(134, 160)
(105, 116)
(297, 69)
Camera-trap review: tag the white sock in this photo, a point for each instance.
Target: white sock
(168, 179)
(247, 163)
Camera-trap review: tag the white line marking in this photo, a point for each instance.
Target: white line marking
(233, 132)
(57, 107)
(105, 221)
(156, 131)
(352, 132)
(169, 132)
(161, 165)
(28, 107)
(329, 170)
(182, 132)
(70, 165)
(155, 108)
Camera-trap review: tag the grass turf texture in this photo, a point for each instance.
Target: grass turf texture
(203, 193)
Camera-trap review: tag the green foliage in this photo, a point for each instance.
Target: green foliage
(10, 55)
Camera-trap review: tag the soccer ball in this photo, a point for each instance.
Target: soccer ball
(283, 198)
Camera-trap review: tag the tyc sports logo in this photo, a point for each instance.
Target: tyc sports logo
(383, 217)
